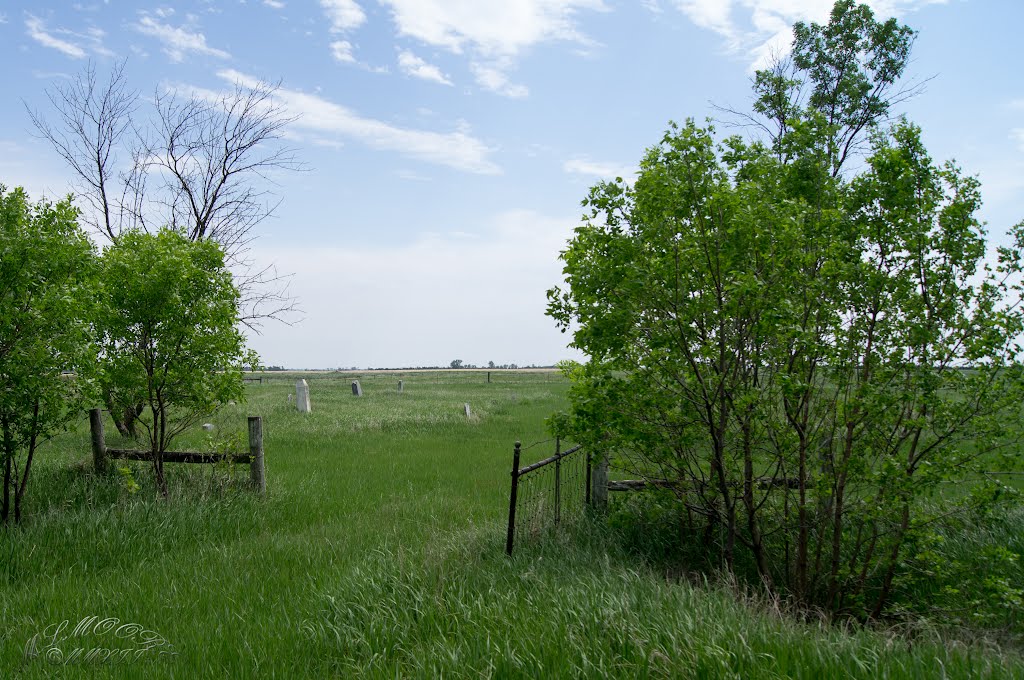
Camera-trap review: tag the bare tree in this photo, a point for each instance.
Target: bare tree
(200, 162)
(95, 127)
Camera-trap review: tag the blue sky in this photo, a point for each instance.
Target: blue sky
(449, 142)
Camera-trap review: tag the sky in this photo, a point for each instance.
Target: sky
(448, 143)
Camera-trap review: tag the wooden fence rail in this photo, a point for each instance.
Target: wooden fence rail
(254, 458)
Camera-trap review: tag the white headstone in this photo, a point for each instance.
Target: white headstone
(208, 427)
(401, 386)
(357, 389)
(302, 396)
(469, 414)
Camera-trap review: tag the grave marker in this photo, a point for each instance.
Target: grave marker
(302, 396)
(357, 389)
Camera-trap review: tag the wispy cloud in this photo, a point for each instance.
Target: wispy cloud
(761, 29)
(493, 76)
(341, 50)
(328, 120)
(37, 31)
(74, 44)
(344, 15)
(599, 169)
(412, 65)
(493, 34)
(275, 4)
(178, 41)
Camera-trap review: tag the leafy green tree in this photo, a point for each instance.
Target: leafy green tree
(806, 355)
(47, 267)
(170, 337)
(194, 163)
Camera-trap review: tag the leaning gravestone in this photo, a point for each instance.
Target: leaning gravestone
(401, 386)
(357, 389)
(302, 396)
(469, 414)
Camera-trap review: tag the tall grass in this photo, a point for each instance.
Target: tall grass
(378, 551)
(576, 606)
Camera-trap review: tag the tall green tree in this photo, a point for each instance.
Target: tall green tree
(807, 353)
(170, 340)
(47, 268)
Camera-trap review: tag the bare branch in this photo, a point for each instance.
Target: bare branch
(201, 164)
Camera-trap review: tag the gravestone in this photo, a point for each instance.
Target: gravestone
(357, 389)
(469, 414)
(208, 427)
(302, 396)
(401, 386)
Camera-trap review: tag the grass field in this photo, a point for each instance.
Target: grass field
(378, 552)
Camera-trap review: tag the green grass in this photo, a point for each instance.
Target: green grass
(378, 552)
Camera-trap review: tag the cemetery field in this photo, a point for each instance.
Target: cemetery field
(378, 551)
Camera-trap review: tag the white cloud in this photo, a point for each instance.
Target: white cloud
(457, 294)
(763, 28)
(601, 170)
(274, 4)
(492, 28)
(412, 65)
(3, 18)
(164, 12)
(345, 15)
(458, 149)
(36, 30)
(341, 50)
(492, 33)
(493, 76)
(177, 41)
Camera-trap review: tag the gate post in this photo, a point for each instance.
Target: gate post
(257, 471)
(600, 481)
(512, 501)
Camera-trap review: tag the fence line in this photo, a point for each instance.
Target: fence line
(254, 458)
(532, 503)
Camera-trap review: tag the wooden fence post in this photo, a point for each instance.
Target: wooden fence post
(600, 481)
(512, 501)
(257, 472)
(99, 445)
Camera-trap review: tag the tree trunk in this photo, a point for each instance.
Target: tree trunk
(8, 462)
(756, 543)
(124, 418)
(19, 492)
(801, 513)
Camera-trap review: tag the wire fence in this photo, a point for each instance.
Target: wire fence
(547, 492)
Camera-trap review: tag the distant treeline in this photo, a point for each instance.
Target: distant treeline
(491, 366)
